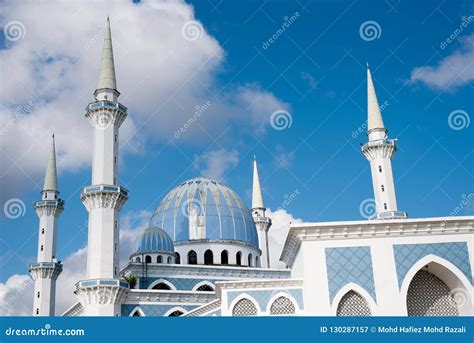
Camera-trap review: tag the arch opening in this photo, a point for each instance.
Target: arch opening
(353, 304)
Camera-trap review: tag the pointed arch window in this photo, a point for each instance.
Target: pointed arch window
(353, 304)
(176, 313)
(192, 257)
(282, 306)
(208, 257)
(224, 257)
(162, 286)
(205, 288)
(244, 307)
(238, 258)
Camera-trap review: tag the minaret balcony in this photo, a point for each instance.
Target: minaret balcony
(380, 148)
(101, 292)
(49, 207)
(104, 114)
(389, 215)
(104, 196)
(45, 270)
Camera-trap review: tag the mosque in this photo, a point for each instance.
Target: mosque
(205, 253)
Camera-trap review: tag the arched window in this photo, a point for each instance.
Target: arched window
(162, 286)
(224, 257)
(353, 304)
(238, 258)
(383, 188)
(208, 257)
(37, 311)
(192, 257)
(138, 259)
(169, 259)
(159, 259)
(205, 288)
(380, 169)
(428, 295)
(282, 306)
(178, 259)
(38, 295)
(136, 314)
(176, 313)
(244, 307)
(147, 259)
(250, 260)
(42, 231)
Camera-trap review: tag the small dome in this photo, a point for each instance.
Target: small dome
(219, 210)
(154, 240)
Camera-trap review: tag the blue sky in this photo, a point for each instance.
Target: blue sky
(316, 70)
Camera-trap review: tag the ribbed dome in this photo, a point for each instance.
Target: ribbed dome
(154, 240)
(210, 205)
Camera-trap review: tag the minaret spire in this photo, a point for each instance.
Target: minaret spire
(107, 85)
(51, 179)
(257, 200)
(262, 222)
(47, 268)
(373, 110)
(379, 151)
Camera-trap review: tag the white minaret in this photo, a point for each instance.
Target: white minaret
(47, 269)
(379, 151)
(262, 222)
(103, 292)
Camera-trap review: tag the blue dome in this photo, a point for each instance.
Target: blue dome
(154, 240)
(221, 211)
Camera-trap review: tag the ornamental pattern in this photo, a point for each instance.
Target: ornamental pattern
(244, 307)
(353, 304)
(428, 295)
(282, 306)
(103, 118)
(103, 199)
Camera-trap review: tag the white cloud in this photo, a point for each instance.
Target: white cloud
(451, 72)
(161, 75)
(281, 220)
(214, 164)
(16, 294)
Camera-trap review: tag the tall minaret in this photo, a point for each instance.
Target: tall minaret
(47, 269)
(262, 222)
(103, 292)
(379, 151)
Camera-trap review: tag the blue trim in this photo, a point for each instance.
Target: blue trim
(262, 297)
(406, 255)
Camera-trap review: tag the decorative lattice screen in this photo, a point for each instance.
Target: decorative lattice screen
(244, 307)
(428, 295)
(282, 306)
(353, 304)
